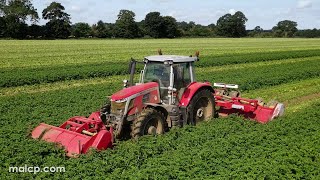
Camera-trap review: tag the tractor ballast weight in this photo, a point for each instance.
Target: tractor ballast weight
(167, 95)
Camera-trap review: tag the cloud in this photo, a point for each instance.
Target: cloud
(132, 1)
(158, 2)
(161, 1)
(204, 17)
(75, 8)
(303, 4)
(232, 11)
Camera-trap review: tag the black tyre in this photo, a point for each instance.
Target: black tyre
(149, 122)
(201, 107)
(103, 111)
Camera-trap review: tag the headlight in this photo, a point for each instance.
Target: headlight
(119, 106)
(122, 100)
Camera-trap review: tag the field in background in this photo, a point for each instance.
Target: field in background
(50, 81)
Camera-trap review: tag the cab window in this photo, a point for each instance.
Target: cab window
(182, 76)
(157, 72)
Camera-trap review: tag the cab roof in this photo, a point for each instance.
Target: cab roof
(174, 58)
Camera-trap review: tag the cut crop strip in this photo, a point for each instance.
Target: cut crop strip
(288, 91)
(62, 85)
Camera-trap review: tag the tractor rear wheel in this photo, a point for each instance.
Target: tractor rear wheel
(201, 107)
(149, 122)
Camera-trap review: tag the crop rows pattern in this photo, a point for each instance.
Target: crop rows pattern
(45, 81)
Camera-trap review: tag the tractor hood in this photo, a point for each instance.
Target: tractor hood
(130, 91)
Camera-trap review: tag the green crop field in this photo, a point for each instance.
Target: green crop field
(50, 81)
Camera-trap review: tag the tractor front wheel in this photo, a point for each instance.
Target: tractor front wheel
(104, 111)
(201, 107)
(149, 122)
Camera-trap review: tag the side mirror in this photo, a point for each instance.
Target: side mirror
(132, 69)
(130, 66)
(125, 83)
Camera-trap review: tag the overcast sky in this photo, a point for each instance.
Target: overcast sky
(265, 13)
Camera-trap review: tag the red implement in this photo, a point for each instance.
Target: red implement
(77, 134)
(249, 108)
(229, 102)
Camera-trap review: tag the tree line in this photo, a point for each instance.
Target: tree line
(14, 15)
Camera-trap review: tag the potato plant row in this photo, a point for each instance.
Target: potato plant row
(11, 77)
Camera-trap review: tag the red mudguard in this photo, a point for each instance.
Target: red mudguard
(191, 91)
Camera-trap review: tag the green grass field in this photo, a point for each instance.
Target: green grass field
(50, 81)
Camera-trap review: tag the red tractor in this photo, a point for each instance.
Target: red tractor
(166, 96)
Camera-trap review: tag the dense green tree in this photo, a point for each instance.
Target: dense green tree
(232, 25)
(15, 13)
(81, 29)
(285, 28)
(154, 25)
(2, 26)
(308, 33)
(59, 25)
(256, 32)
(258, 29)
(200, 31)
(170, 27)
(2, 5)
(142, 28)
(212, 26)
(55, 11)
(15, 28)
(102, 30)
(35, 31)
(192, 29)
(19, 9)
(57, 29)
(158, 26)
(224, 25)
(125, 26)
(186, 26)
(239, 21)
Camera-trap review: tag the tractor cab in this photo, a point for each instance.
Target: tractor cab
(173, 74)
